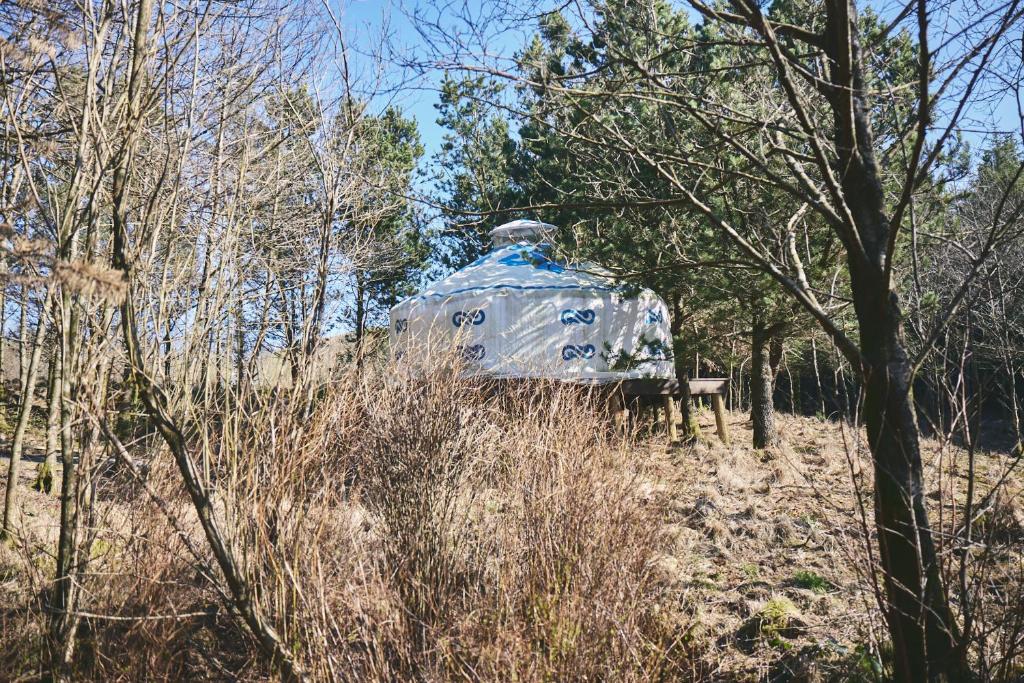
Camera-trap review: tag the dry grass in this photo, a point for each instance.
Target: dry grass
(406, 529)
(762, 533)
(426, 529)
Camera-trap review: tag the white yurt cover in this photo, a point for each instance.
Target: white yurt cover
(517, 312)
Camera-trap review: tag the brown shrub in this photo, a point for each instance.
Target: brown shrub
(403, 528)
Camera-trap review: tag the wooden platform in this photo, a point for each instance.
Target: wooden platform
(667, 391)
(633, 395)
(670, 387)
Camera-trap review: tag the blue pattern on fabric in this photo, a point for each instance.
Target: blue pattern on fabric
(574, 351)
(475, 352)
(534, 257)
(573, 316)
(473, 316)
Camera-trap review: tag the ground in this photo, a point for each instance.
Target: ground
(765, 550)
(768, 547)
(769, 536)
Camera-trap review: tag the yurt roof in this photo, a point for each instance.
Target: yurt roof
(522, 231)
(523, 266)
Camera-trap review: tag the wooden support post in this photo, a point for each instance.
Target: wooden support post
(619, 412)
(670, 417)
(719, 405)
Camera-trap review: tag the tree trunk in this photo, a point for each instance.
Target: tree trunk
(241, 377)
(24, 411)
(762, 410)
(690, 430)
(817, 379)
(63, 622)
(360, 319)
(3, 339)
(23, 350)
(44, 479)
(167, 351)
(925, 634)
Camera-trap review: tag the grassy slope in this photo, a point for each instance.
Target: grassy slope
(758, 558)
(759, 535)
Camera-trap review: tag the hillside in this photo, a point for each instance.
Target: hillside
(534, 537)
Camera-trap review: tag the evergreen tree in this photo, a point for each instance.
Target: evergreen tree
(475, 176)
(390, 247)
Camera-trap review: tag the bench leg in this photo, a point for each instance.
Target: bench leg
(670, 417)
(619, 412)
(719, 405)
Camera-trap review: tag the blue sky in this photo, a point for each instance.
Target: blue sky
(384, 26)
(366, 21)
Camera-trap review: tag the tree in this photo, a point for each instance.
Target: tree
(563, 167)
(816, 128)
(476, 169)
(390, 269)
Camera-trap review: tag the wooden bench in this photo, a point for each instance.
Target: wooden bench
(667, 390)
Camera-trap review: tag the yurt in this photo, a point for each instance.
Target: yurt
(518, 312)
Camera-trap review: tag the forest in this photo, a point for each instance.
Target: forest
(215, 467)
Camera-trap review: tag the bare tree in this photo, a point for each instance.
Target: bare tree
(832, 131)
